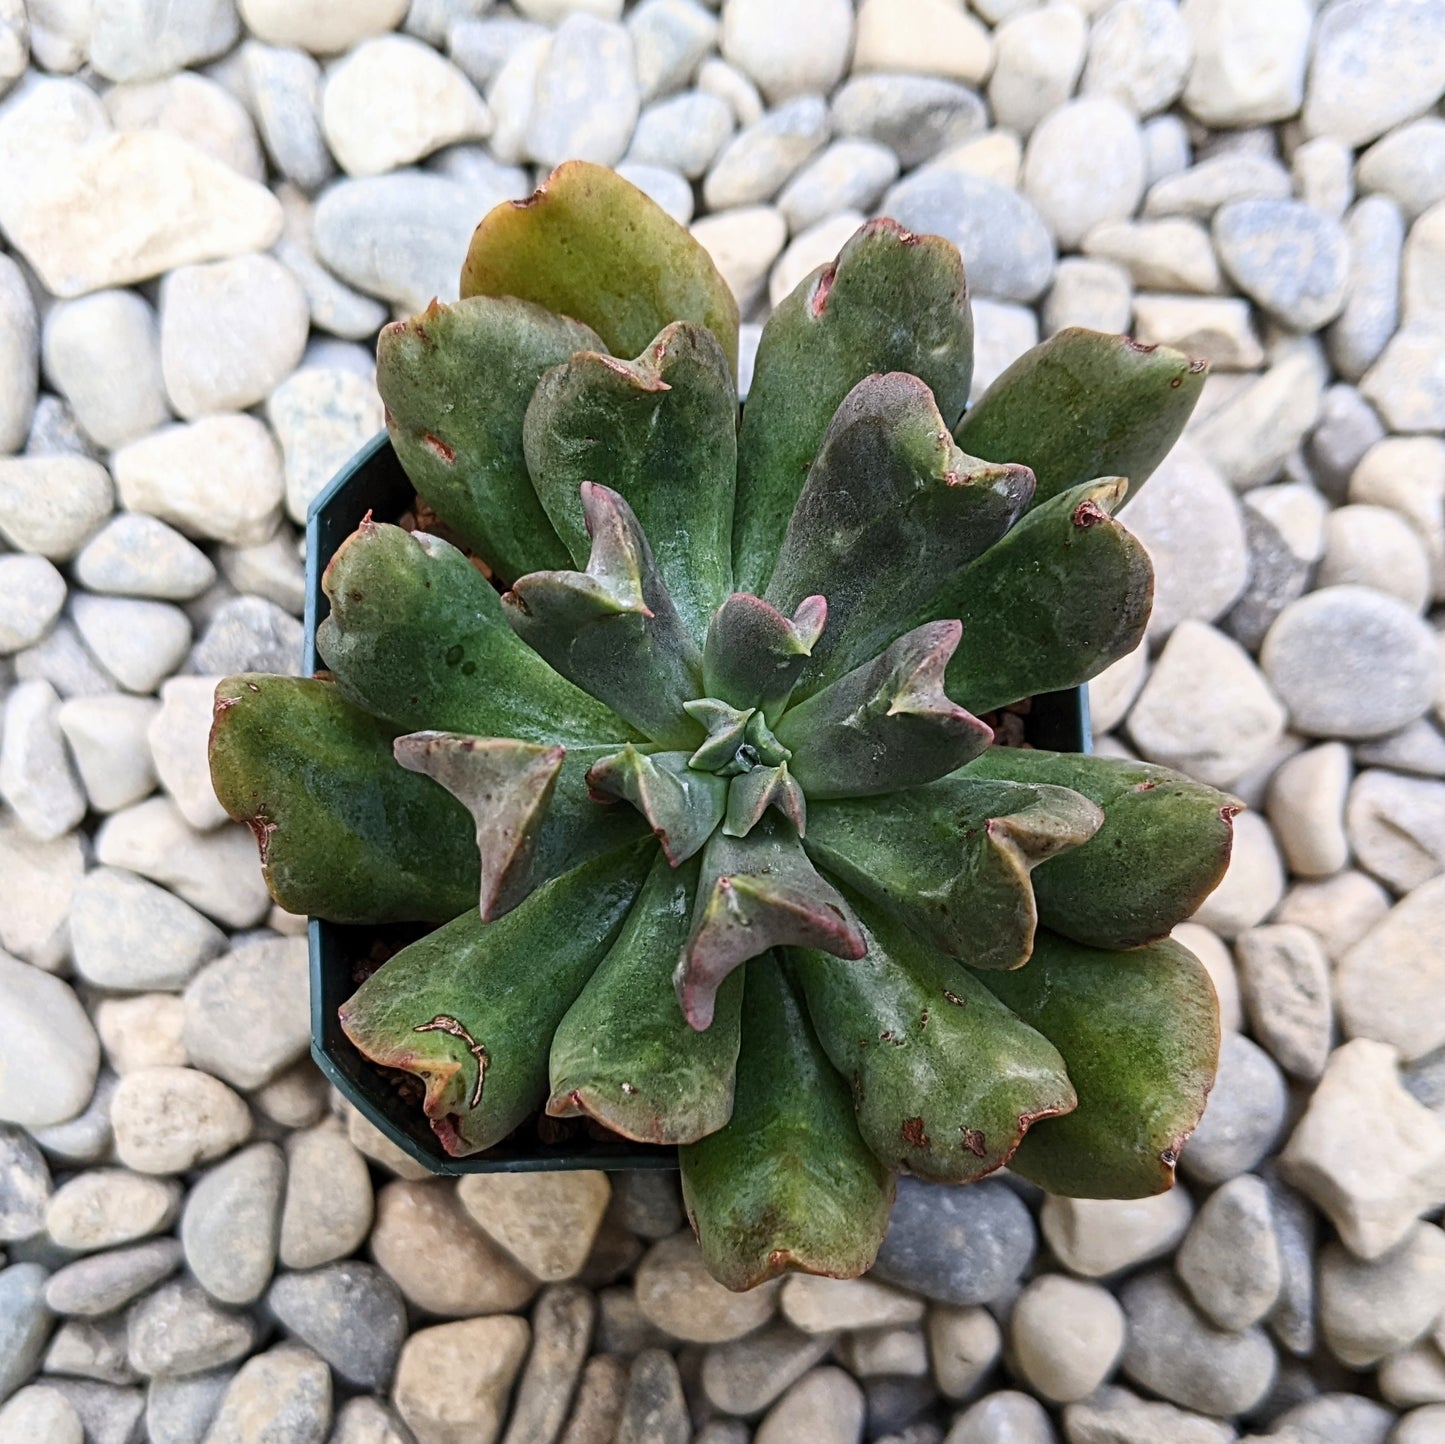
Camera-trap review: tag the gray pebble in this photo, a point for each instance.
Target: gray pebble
(745, 1376)
(586, 100)
(1007, 1417)
(1407, 165)
(135, 555)
(956, 1245)
(86, 1138)
(179, 1411)
(351, 1314)
(284, 1393)
(25, 1324)
(1372, 1308)
(328, 1207)
(669, 39)
(654, 1410)
(1244, 1115)
(1140, 53)
(757, 161)
(32, 593)
(37, 1413)
(284, 88)
(1289, 258)
(52, 505)
(1352, 663)
(24, 1186)
(915, 116)
(1216, 181)
(248, 634)
(98, 1285)
(1347, 428)
(90, 1349)
(1285, 979)
(19, 351)
(1230, 1260)
(398, 236)
(849, 175)
(1376, 234)
(1010, 255)
(36, 778)
(1084, 165)
(1407, 384)
(109, 1414)
(179, 1330)
(561, 1332)
(481, 47)
(1174, 1353)
(231, 1222)
(682, 133)
(139, 643)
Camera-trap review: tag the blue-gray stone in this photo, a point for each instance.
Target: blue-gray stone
(24, 1324)
(915, 116)
(350, 1313)
(1007, 250)
(957, 1245)
(1287, 256)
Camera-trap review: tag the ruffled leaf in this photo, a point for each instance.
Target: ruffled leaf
(345, 834)
(892, 301)
(681, 805)
(471, 1008)
(789, 1184)
(1139, 1032)
(951, 860)
(946, 1080)
(624, 1053)
(891, 512)
(589, 244)
(506, 786)
(886, 725)
(661, 431)
(416, 635)
(1065, 593)
(1162, 849)
(1085, 404)
(613, 629)
(758, 892)
(754, 654)
(456, 381)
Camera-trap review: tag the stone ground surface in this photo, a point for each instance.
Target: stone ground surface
(207, 212)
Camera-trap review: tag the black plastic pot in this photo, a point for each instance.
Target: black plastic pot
(373, 481)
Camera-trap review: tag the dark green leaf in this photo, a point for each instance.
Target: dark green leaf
(1065, 593)
(892, 301)
(416, 635)
(751, 794)
(945, 1079)
(590, 245)
(891, 512)
(456, 381)
(661, 431)
(951, 860)
(1085, 404)
(758, 892)
(1162, 849)
(613, 629)
(788, 1184)
(624, 1053)
(1139, 1032)
(886, 725)
(471, 1008)
(345, 834)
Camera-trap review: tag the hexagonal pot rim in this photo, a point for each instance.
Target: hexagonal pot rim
(373, 481)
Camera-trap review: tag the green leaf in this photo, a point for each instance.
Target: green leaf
(951, 860)
(891, 512)
(590, 245)
(892, 301)
(751, 794)
(1139, 1032)
(758, 892)
(345, 834)
(456, 381)
(416, 635)
(1162, 849)
(754, 654)
(471, 1008)
(624, 1054)
(1085, 404)
(682, 806)
(613, 629)
(661, 431)
(886, 725)
(789, 1183)
(946, 1080)
(1065, 593)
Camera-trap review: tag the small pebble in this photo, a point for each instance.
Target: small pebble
(95, 1286)
(1371, 1309)
(798, 50)
(928, 37)
(1230, 1258)
(231, 1221)
(50, 1049)
(1243, 1117)
(109, 1206)
(52, 505)
(1285, 978)
(1375, 232)
(585, 104)
(546, 1221)
(676, 1293)
(1066, 1335)
(25, 1324)
(453, 1380)
(32, 593)
(178, 1330)
(756, 162)
(1307, 809)
(820, 1305)
(1253, 882)
(36, 778)
(284, 1393)
(1249, 64)
(915, 117)
(328, 1206)
(1096, 1238)
(1007, 1417)
(350, 1313)
(1084, 165)
(682, 133)
(1287, 257)
(168, 1120)
(825, 1406)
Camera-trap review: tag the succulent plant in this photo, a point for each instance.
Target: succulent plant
(677, 728)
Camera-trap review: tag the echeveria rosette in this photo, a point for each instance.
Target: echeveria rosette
(701, 791)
